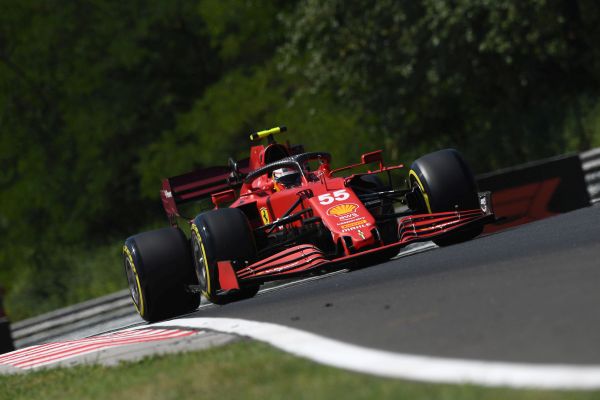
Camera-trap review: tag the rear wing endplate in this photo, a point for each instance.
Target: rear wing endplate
(199, 184)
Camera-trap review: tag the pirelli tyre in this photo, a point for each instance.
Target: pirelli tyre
(446, 183)
(159, 269)
(221, 235)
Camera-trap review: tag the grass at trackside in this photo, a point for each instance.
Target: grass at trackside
(243, 370)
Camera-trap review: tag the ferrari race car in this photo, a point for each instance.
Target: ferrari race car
(284, 212)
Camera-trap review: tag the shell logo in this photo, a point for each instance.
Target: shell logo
(342, 209)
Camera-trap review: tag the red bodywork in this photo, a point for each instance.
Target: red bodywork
(326, 197)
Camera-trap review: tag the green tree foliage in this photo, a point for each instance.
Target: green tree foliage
(252, 94)
(494, 78)
(100, 100)
(84, 86)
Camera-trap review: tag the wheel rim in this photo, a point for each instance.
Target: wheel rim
(132, 282)
(199, 263)
(423, 199)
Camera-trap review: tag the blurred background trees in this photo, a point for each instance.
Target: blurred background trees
(99, 100)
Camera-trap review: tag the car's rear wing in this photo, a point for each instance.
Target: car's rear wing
(200, 184)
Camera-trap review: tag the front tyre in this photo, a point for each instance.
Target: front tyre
(221, 235)
(445, 183)
(159, 268)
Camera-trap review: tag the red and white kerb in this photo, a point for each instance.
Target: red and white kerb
(48, 353)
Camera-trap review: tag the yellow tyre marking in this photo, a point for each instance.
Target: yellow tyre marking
(140, 310)
(206, 293)
(412, 173)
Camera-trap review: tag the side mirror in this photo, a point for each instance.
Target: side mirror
(235, 175)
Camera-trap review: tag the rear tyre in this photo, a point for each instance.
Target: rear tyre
(159, 268)
(221, 235)
(446, 183)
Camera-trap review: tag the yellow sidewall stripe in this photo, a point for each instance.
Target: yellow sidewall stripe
(422, 188)
(139, 309)
(206, 292)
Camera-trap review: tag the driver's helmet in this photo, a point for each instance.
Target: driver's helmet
(285, 178)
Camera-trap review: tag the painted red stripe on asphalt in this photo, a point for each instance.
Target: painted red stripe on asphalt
(39, 349)
(74, 348)
(72, 345)
(52, 352)
(81, 350)
(48, 347)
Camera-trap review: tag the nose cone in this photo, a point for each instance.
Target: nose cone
(359, 238)
(351, 221)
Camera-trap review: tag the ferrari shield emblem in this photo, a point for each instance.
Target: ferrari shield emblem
(264, 214)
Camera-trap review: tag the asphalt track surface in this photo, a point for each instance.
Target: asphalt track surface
(529, 294)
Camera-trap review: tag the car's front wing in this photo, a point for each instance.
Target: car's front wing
(299, 260)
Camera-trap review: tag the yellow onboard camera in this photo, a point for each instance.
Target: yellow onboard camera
(266, 133)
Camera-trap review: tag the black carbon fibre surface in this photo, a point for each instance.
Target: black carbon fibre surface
(530, 294)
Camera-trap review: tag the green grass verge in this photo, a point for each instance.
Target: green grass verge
(242, 370)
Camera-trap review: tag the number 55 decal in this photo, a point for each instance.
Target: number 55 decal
(338, 195)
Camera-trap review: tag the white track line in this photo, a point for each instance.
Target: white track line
(396, 365)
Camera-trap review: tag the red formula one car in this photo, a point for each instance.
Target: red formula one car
(284, 212)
